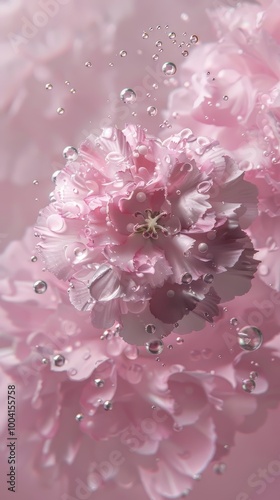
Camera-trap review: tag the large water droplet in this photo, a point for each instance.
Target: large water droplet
(169, 69)
(154, 346)
(128, 96)
(59, 360)
(40, 286)
(70, 153)
(248, 385)
(250, 338)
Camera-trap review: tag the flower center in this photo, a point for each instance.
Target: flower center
(151, 226)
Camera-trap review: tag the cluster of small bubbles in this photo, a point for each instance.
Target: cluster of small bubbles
(150, 328)
(248, 385)
(250, 338)
(193, 38)
(145, 35)
(208, 278)
(154, 346)
(253, 375)
(169, 68)
(128, 96)
(185, 53)
(34, 258)
(179, 340)
(59, 360)
(108, 405)
(70, 153)
(202, 247)
(172, 35)
(155, 57)
(152, 110)
(219, 468)
(60, 111)
(187, 278)
(40, 287)
(88, 64)
(123, 53)
(99, 382)
(79, 417)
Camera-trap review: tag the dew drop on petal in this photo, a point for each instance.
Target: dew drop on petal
(128, 96)
(225, 97)
(185, 53)
(194, 39)
(250, 338)
(154, 346)
(150, 328)
(172, 35)
(49, 86)
(108, 405)
(208, 278)
(88, 64)
(169, 69)
(145, 35)
(99, 382)
(123, 53)
(60, 111)
(152, 110)
(70, 153)
(59, 360)
(33, 258)
(40, 287)
(179, 340)
(203, 247)
(187, 278)
(248, 385)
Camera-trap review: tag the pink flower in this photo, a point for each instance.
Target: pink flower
(147, 232)
(97, 413)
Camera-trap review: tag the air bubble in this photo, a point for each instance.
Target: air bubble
(40, 287)
(248, 385)
(250, 338)
(169, 69)
(128, 96)
(152, 110)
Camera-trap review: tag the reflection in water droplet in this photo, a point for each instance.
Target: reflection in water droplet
(40, 287)
(154, 346)
(59, 360)
(108, 405)
(128, 96)
(70, 153)
(248, 385)
(169, 69)
(250, 338)
(60, 111)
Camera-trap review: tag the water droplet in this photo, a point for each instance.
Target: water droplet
(172, 35)
(219, 468)
(73, 91)
(185, 53)
(233, 321)
(59, 360)
(88, 64)
(179, 340)
(170, 293)
(33, 258)
(145, 35)
(70, 153)
(150, 328)
(49, 86)
(155, 57)
(60, 111)
(253, 375)
(152, 110)
(169, 68)
(79, 417)
(35, 182)
(141, 197)
(40, 286)
(99, 382)
(202, 247)
(248, 385)
(108, 405)
(187, 278)
(208, 278)
(123, 53)
(170, 346)
(128, 96)
(154, 346)
(225, 97)
(159, 43)
(194, 39)
(250, 338)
